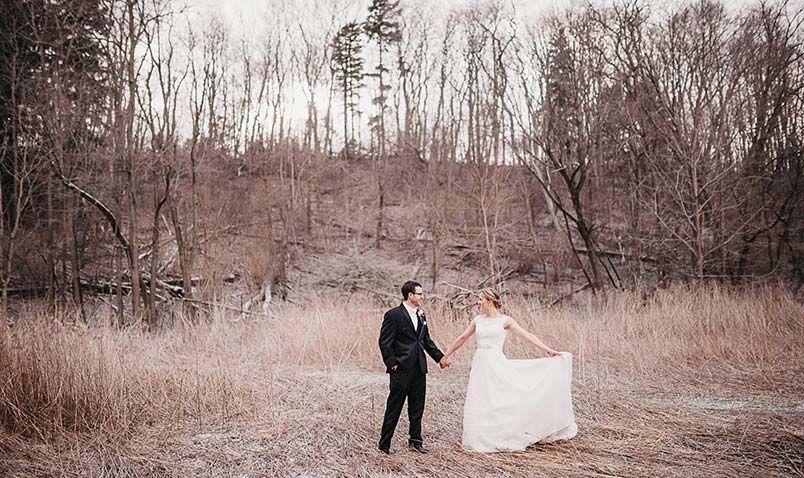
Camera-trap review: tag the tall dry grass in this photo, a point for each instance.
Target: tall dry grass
(96, 380)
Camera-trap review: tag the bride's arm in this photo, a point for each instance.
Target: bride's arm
(461, 339)
(510, 324)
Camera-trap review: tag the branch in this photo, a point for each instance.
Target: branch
(104, 210)
(566, 296)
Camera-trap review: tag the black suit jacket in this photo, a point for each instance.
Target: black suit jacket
(403, 346)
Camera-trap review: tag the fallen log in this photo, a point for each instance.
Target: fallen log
(568, 295)
(171, 284)
(618, 254)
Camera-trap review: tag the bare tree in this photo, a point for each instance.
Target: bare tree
(312, 62)
(573, 104)
(18, 166)
(693, 76)
(164, 76)
(768, 130)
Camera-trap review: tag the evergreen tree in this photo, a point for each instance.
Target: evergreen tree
(382, 26)
(347, 65)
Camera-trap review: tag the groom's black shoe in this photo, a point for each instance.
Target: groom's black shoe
(417, 446)
(385, 451)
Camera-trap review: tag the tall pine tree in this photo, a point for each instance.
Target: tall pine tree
(347, 65)
(383, 27)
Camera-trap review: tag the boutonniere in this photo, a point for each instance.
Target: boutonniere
(422, 317)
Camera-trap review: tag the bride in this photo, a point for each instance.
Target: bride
(511, 404)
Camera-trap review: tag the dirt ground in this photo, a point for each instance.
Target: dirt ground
(325, 424)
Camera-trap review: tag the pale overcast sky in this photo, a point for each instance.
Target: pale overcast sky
(256, 18)
(251, 16)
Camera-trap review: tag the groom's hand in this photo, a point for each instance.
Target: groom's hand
(445, 362)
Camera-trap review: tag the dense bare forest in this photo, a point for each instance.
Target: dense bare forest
(634, 147)
(165, 174)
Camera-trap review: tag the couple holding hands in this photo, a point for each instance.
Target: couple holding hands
(510, 404)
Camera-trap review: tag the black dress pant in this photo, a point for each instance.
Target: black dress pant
(410, 384)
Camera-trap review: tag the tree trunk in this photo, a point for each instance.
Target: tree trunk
(51, 242)
(75, 260)
(586, 233)
(151, 296)
(280, 278)
(118, 265)
(308, 218)
(436, 231)
(4, 312)
(155, 252)
(380, 213)
(184, 263)
(530, 216)
(345, 117)
(133, 253)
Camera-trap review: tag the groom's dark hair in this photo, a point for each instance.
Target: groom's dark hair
(409, 287)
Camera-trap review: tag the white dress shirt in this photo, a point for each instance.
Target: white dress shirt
(413, 315)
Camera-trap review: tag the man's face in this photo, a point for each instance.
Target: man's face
(415, 297)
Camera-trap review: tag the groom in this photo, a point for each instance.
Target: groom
(403, 340)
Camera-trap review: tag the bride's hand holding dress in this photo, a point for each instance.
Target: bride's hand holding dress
(511, 404)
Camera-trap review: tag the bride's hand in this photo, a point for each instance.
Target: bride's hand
(553, 353)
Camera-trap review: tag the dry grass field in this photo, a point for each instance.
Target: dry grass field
(686, 382)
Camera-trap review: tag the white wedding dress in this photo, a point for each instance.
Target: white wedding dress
(511, 404)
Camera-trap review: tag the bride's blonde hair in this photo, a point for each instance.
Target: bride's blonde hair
(493, 296)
